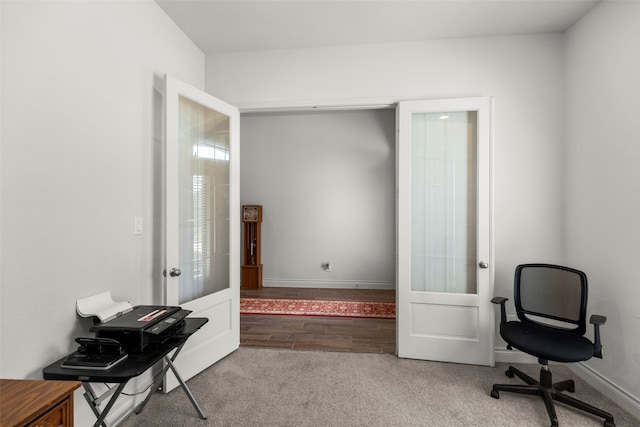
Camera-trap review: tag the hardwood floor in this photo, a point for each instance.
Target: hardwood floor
(319, 333)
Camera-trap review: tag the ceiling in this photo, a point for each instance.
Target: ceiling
(255, 25)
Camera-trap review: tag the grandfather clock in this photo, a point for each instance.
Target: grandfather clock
(251, 277)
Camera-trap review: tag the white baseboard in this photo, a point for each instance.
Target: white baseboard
(513, 356)
(605, 386)
(333, 284)
(620, 396)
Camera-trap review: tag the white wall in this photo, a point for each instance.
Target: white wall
(523, 73)
(603, 180)
(326, 181)
(81, 145)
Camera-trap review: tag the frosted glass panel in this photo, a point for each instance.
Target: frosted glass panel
(204, 200)
(444, 202)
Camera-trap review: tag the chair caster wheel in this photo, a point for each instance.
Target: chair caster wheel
(496, 395)
(608, 423)
(509, 373)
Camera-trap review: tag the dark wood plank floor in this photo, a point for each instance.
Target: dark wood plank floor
(319, 333)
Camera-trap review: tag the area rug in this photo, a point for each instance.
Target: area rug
(298, 307)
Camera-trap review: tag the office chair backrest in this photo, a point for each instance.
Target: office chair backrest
(551, 295)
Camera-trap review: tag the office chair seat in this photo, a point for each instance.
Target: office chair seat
(545, 343)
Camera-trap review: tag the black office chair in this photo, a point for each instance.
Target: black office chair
(551, 304)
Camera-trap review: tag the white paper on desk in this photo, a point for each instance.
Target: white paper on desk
(102, 306)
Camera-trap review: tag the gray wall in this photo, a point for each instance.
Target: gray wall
(81, 152)
(326, 181)
(603, 181)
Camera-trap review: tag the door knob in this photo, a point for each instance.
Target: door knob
(175, 272)
(483, 264)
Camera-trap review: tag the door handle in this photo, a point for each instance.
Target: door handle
(175, 272)
(483, 264)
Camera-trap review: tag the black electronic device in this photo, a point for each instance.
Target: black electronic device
(95, 353)
(143, 325)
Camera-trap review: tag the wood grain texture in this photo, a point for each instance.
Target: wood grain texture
(25, 401)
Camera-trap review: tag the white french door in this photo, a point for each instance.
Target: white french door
(445, 270)
(202, 208)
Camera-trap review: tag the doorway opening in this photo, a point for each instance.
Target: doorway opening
(326, 181)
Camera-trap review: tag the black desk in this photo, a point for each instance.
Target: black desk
(135, 364)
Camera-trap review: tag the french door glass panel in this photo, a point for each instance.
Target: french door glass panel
(203, 213)
(443, 202)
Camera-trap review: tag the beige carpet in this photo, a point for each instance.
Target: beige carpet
(271, 387)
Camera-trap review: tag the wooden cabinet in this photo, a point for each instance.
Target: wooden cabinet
(36, 403)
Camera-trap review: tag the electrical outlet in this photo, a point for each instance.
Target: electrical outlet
(137, 228)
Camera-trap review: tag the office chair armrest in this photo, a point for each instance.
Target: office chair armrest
(503, 310)
(596, 321)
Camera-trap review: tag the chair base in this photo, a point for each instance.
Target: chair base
(549, 392)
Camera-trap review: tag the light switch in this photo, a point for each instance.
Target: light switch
(137, 230)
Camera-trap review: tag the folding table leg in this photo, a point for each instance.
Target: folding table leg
(154, 387)
(186, 389)
(156, 384)
(94, 401)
